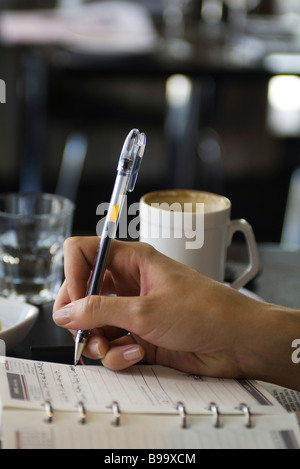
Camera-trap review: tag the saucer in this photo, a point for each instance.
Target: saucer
(250, 294)
(247, 292)
(17, 320)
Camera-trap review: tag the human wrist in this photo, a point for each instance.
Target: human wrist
(266, 345)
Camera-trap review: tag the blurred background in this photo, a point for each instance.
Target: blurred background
(213, 83)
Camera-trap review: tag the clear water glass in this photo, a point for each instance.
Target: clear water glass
(33, 228)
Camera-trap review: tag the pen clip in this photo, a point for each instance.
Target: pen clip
(138, 149)
(131, 157)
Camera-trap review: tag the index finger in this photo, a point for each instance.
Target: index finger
(79, 256)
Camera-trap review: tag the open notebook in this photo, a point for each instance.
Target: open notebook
(49, 405)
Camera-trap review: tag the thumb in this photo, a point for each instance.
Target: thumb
(98, 311)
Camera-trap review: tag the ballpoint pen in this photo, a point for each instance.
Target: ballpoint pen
(127, 172)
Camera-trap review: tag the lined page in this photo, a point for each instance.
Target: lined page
(139, 389)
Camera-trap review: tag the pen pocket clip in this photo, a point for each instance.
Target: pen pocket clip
(138, 149)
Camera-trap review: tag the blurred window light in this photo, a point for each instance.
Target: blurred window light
(178, 90)
(284, 105)
(178, 98)
(248, 4)
(212, 11)
(69, 3)
(284, 93)
(286, 63)
(282, 7)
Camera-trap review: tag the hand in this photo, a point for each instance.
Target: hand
(168, 314)
(169, 310)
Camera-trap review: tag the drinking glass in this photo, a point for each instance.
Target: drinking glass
(33, 228)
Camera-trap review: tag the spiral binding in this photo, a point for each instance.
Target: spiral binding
(247, 412)
(116, 412)
(216, 412)
(49, 411)
(180, 407)
(82, 412)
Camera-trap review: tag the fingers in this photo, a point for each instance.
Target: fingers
(73, 311)
(79, 256)
(123, 271)
(99, 311)
(123, 353)
(115, 355)
(97, 347)
(62, 298)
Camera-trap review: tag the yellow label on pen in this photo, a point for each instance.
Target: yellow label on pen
(114, 214)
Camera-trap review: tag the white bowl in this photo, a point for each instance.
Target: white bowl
(17, 319)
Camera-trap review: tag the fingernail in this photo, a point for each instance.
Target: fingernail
(132, 353)
(94, 349)
(62, 316)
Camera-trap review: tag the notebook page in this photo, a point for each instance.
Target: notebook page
(140, 389)
(288, 398)
(28, 430)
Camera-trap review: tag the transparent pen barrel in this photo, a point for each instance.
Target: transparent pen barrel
(116, 204)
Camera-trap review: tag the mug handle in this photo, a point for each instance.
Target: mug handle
(254, 262)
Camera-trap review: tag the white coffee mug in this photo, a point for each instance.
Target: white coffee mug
(194, 228)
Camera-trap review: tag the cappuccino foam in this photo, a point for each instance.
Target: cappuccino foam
(186, 201)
